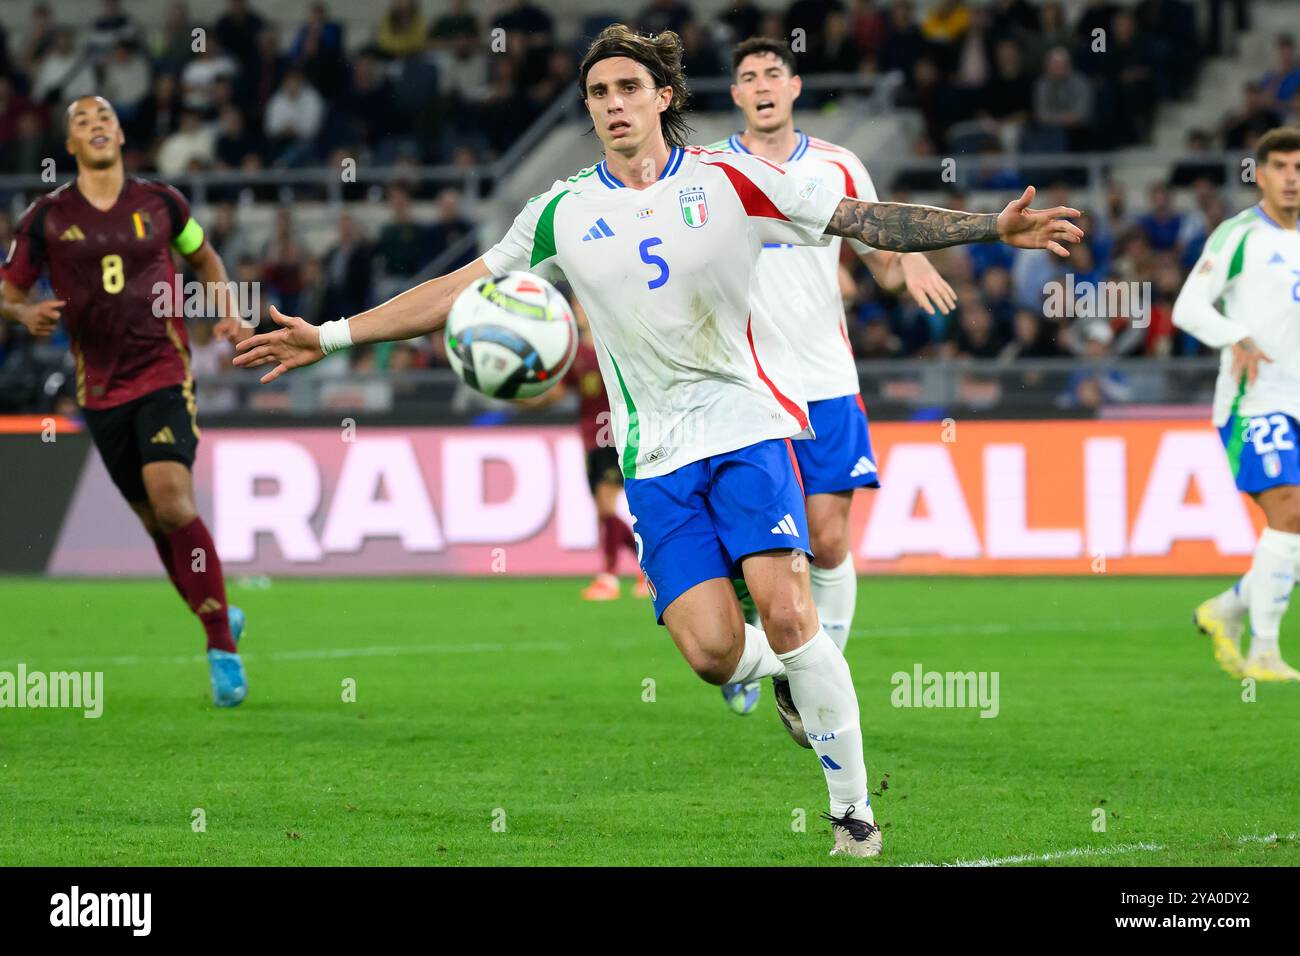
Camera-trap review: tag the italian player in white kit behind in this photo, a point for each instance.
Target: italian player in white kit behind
(798, 289)
(697, 384)
(1243, 297)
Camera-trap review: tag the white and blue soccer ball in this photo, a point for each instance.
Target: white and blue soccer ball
(511, 336)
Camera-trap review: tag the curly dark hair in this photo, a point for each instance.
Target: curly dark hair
(661, 55)
(778, 48)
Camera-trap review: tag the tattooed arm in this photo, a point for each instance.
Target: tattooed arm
(905, 228)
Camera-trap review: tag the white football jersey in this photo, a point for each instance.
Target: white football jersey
(1247, 283)
(798, 287)
(664, 274)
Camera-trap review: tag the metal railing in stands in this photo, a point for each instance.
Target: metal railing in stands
(892, 388)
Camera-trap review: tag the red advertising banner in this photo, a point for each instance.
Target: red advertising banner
(1066, 497)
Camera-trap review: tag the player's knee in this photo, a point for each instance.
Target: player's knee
(710, 661)
(829, 546)
(172, 512)
(788, 625)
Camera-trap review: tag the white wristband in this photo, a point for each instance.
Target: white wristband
(335, 335)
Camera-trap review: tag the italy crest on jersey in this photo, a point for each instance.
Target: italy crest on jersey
(695, 207)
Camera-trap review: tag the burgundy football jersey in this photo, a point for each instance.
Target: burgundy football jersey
(593, 403)
(106, 265)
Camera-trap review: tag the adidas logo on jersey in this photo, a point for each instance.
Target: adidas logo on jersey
(600, 230)
(1277, 258)
(163, 436)
(73, 232)
(786, 526)
(864, 467)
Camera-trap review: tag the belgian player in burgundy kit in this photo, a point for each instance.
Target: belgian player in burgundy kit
(105, 241)
(604, 474)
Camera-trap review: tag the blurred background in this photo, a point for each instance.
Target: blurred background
(338, 153)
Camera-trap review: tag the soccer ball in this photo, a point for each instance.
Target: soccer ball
(511, 336)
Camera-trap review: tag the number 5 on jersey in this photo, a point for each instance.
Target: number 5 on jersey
(653, 260)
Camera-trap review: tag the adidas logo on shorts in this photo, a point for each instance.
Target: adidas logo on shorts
(863, 467)
(786, 526)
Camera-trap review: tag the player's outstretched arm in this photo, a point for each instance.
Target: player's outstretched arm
(900, 227)
(211, 270)
(417, 311)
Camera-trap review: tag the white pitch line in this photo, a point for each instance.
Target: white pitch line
(1085, 852)
(1077, 853)
(1020, 627)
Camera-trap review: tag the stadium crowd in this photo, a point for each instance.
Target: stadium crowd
(988, 80)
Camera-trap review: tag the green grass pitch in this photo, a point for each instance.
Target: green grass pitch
(504, 722)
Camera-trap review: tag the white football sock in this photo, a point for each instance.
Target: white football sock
(1235, 602)
(835, 593)
(1272, 576)
(823, 693)
(757, 659)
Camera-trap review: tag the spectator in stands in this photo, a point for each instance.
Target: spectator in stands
(995, 291)
(868, 27)
(13, 107)
(293, 118)
(943, 27)
(159, 113)
(226, 236)
(173, 45)
(258, 81)
(663, 15)
(1283, 81)
(1162, 224)
(1030, 338)
(234, 140)
(238, 29)
(1129, 68)
(347, 271)
(1052, 30)
(449, 229)
(1012, 19)
(401, 30)
(904, 44)
(109, 29)
(1063, 100)
(741, 19)
(1256, 115)
(41, 35)
(328, 33)
(27, 151)
(283, 259)
(127, 79)
(1008, 98)
(201, 75)
(974, 334)
(64, 73)
(456, 25)
(528, 28)
(974, 61)
(1191, 168)
(322, 65)
(499, 114)
(1090, 388)
(403, 242)
(192, 146)
(838, 54)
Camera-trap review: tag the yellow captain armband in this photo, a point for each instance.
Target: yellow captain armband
(189, 239)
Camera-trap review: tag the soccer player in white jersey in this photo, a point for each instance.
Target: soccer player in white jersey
(1243, 297)
(798, 289)
(702, 393)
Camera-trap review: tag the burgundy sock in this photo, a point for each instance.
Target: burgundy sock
(165, 555)
(609, 544)
(615, 532)
(205, 589)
